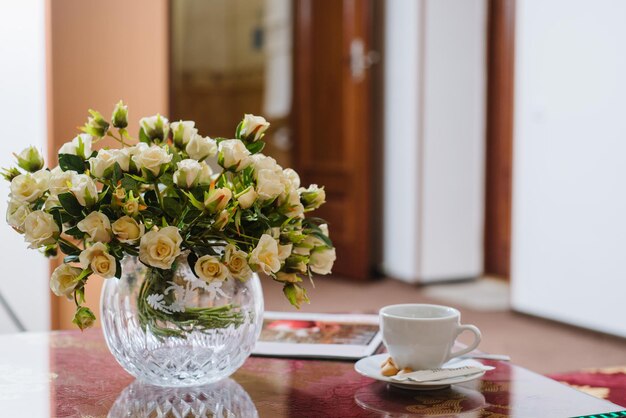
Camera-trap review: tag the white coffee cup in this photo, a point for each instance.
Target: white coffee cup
(422, 336)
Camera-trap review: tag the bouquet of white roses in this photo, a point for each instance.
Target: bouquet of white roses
(160, 198)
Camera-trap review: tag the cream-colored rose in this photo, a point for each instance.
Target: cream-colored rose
(292, 207)
(40, 229)
(155, 127)
(222, 220)
(237, 263)
(233, 155)
(200, 147)
(128, 230)
(253, 127)
(210, 269)
(284, 251)
(84, 188)
(186, 176)
(16, 214)
(292, 177)
(51, 202)
(263, 162)
(98, 259)
(206, 174)
(97, 226)
(321, 261)
(265, 255)
(60, 181)
(247, 199)
(122, 157)
(131, 207)
(81, 145)
(152, 159)
(182, 131)
(30, 187)
(160, 248)
(313, 197)
(64, 280)
(269, 184)
(217, 199)
(101, 163)
(281, 276)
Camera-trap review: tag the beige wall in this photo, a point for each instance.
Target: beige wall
(98, 53)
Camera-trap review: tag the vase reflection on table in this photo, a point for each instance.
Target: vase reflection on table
(225, 398)
(146, 331)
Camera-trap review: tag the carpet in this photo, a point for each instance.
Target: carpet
(606, 383)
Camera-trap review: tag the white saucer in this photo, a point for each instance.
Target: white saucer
(370, 367)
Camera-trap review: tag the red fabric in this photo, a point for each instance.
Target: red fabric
(609, 384)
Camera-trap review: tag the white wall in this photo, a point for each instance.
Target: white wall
(434, 139)
(23, 273)
(569, 210)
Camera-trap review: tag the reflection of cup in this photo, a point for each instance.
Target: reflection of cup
(422, 336)
(223, 398)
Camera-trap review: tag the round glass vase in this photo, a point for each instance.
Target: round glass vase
(170, 328)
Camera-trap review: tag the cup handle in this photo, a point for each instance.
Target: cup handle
(472, 346)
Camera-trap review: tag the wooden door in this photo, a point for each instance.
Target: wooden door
(332, 121)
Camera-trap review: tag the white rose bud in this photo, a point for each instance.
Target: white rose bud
(292, 177)
(81, 145)
(16, 214)
(292, 207)
(60, 181)
(131, 207)
(236, 261)
(269, 184)
(97, 226)
(253, 127)
(182, 132)
(156, 127)
(30, 186)
(313, 197)
(321, 261)
(30, 159)
(64, 280)
(222, 220)
(152, 159)
(85, 190)
(206, 174)
(119, 118)
(200, 147)
(248, 198)
(160, 248)
(233, 155)
(281, 276)
(265, 255)
(98, 259)
(210, 269)
(122, 157)
(40, 229)
(217, 199)
(128, 230)
(186, 177)
(284, 251)
(100, 165)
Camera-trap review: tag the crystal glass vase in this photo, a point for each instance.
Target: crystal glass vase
(170, 328)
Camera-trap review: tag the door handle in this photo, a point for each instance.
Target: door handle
(361, 61)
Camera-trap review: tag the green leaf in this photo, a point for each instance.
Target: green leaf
(191, 259)
(70, 204)
(71, 162)
(137, 178)
(323, 237)
(238, 130)
(255, 147)
(75, 232)
(117, 174)
(118, 269)
(68, 248)
(151, 199)
(143, 137)
(129, 184)
(172, 207)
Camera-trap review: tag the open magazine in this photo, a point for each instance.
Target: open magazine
(314, 335)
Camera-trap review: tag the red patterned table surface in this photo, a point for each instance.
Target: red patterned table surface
(69, 374)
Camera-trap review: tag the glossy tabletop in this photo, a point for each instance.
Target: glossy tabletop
(69, 374)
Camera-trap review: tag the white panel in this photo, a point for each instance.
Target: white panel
(24, 274)
(569, 223)
(454, 140)
(401, 138)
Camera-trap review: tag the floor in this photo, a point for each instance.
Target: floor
(540, 345)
